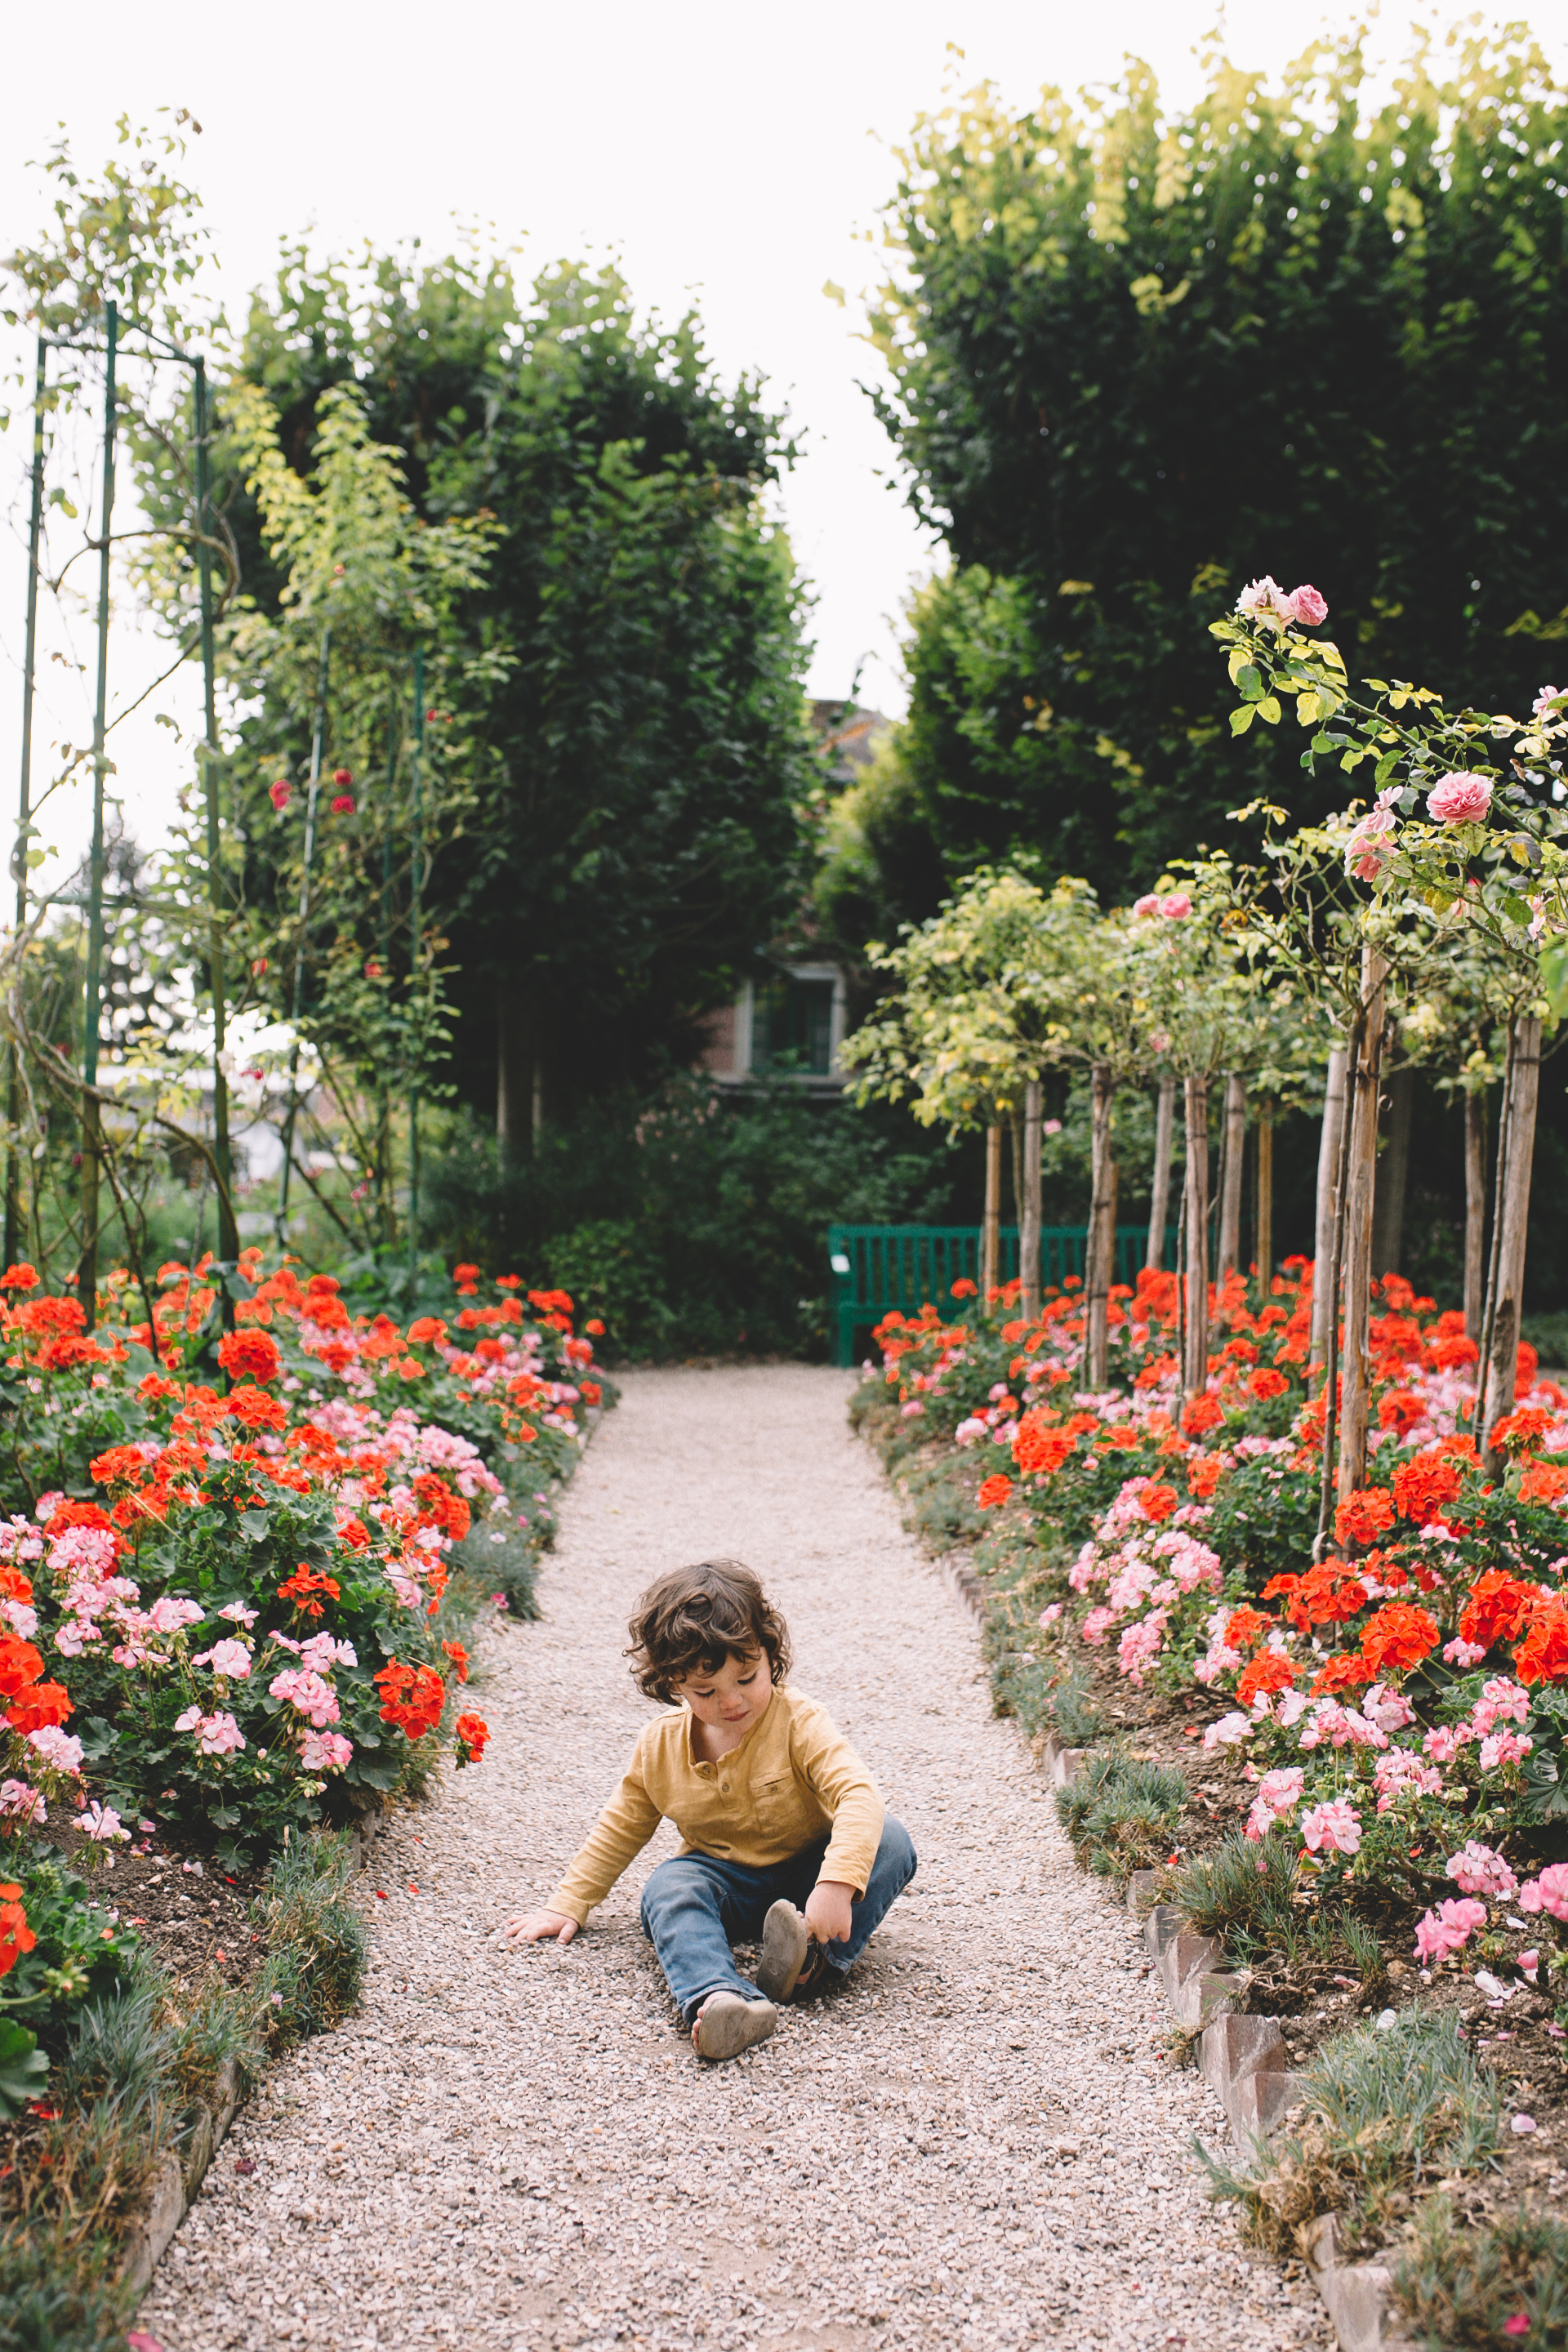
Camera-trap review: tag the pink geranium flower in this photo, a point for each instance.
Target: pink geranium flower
(1480, 1870)
(1334, 1827)
(1448, 1929)
(1460, 799)
(1548, 1892)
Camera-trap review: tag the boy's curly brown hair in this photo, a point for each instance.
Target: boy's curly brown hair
(695, 1618)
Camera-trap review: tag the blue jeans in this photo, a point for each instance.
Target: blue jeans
(694, 1907)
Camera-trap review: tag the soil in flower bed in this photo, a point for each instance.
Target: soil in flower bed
(189, 1915)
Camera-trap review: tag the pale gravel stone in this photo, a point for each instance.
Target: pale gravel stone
(516, 2148)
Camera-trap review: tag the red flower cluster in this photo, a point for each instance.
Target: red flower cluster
(1498, 1608)
(440, 1507)
(1542, 1655)
(303, 1588)
(27, 1703)
(412, 1697)
(472, 1733)
(16, 1936)
(1363, 1517)
(249, 1355)
(1398, 1637)
(1422, 1484)
(993, 1490)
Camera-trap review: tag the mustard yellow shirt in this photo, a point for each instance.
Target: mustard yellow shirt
(792, 1779)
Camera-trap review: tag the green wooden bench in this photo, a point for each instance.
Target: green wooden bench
(879, 1267)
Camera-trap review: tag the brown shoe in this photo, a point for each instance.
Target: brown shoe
(786, 1951)
(725, 2025)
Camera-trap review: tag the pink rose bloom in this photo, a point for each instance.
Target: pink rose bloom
(1148, 905)
(282, 792)
(1051, 1127)
(1334, 1827)
(1365, 852)
(1548, 1892)
(1543, 702)
(1267, 601)
(1460, 799)
(1308, 607)
(1049, 1616)
(1175, 907)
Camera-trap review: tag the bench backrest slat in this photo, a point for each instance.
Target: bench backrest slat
(880, 1268)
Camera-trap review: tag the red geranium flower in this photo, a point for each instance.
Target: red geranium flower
(1363, 1517)
(993, 1491)
(249, 1355)
(1499, 1606)
(1399, 1638)
(1542, 1655)
(1422, 1484)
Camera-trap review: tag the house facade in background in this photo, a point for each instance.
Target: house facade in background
(789, 1021)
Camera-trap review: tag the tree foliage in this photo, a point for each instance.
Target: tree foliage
(1132, 349)
(634, 834)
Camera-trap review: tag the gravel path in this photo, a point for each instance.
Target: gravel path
(978, 2143)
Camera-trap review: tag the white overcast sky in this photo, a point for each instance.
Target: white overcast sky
(727, 155)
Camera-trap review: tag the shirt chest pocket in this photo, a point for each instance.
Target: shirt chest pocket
(775, 1807)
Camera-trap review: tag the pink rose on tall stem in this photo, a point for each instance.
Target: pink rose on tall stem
(1148, 905)
(1267, 601)
(1309, 607)
(1175, 907)
(1461, 799)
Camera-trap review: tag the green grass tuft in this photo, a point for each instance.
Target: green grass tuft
(1383, 2115)
(1122, 1815)
(1460, 2288)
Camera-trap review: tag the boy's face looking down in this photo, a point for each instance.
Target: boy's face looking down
(734, 1696)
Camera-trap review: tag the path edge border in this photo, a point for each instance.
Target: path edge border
(1241, 2054)
(179, 2173)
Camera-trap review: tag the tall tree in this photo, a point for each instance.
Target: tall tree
(1133, 349)
(638, 634)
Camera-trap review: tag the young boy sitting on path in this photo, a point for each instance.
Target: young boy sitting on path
(785, 1832)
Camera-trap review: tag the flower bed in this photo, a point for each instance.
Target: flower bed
(1376, 1808)
(240, 1571)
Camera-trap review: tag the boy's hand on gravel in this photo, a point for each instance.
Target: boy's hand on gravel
(829, 1917)
(533, 1927)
